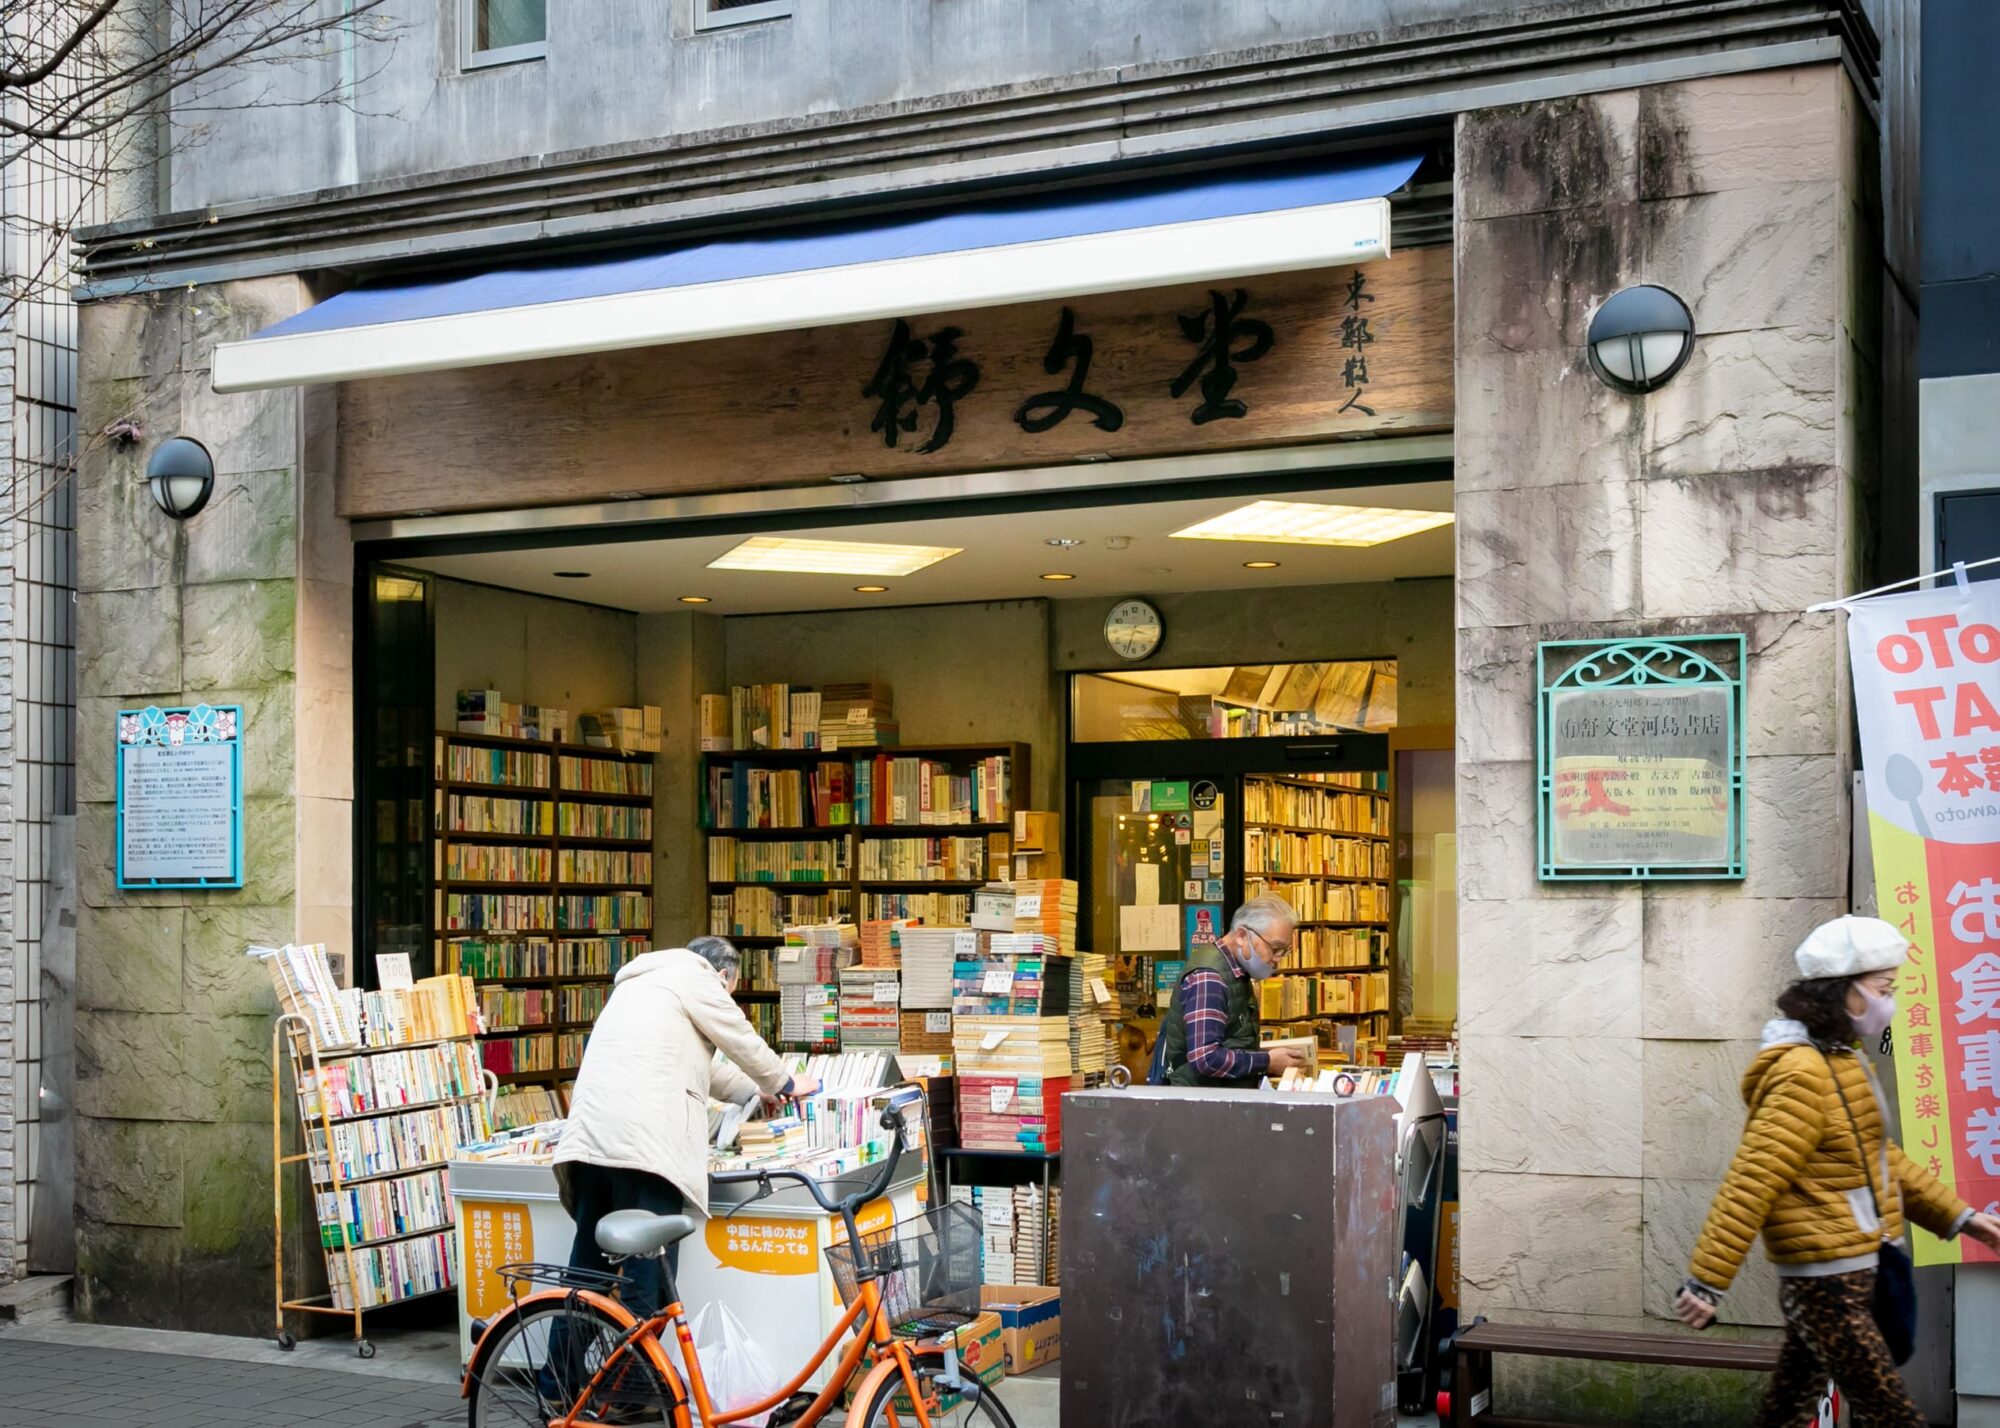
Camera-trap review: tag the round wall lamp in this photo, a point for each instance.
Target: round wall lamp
(1639, 339)
(182, 475)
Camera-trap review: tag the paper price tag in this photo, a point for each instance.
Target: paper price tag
(1028, 905)
(789, 954)
(998, 1097)
(991, 1040)
(393, 969)
(899, 810)
(815, 996)
(965, 944)
(857, 713)
(936, 1022)
(999, 981)
(1099, 993)
(888, 992)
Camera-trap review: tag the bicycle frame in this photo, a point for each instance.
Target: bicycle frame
(872, 1341)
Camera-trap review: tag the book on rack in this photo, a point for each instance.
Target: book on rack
(879, 947)
(774, 716)
(1011, 974)
(368, 1084)
(801, 860)
(937, 909)
(392, 1272)
(743, 795)
(908, 789)
(303, 980)
(518, 1106)
(767, 912)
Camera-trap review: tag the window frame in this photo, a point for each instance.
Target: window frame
(470, 58)
(707, 17)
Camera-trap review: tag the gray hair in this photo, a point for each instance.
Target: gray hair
(719, 952)
(1263, 913)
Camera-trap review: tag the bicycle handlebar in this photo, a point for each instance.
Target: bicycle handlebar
(900, 1099)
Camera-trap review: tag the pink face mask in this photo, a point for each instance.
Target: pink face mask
(1875, 1020)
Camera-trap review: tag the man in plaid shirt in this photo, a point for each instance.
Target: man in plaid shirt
(1211, 1033)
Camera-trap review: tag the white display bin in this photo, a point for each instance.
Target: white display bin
(767, 1262)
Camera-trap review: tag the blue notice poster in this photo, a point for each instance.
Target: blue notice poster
(1204, 926)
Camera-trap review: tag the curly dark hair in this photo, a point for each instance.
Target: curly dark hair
(1821, 1004)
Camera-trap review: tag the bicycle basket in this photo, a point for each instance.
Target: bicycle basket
(926, 1270)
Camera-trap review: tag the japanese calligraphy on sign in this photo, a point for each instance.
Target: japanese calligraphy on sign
(180, 797)
(1927, 695)
(493, 1233)
(1270, 359)
(1641, 747)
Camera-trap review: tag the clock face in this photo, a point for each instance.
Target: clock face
(1133, 629)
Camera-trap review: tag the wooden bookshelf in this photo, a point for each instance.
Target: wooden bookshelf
(615, 825)
(1321, 842)
(846, 889)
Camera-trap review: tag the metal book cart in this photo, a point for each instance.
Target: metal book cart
(294, 1041)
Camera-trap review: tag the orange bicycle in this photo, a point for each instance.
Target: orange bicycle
(572, 1353)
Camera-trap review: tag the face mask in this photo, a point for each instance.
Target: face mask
(1881, 1011)
(1255, 965)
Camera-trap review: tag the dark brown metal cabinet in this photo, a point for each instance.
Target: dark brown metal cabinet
(1228, 1259)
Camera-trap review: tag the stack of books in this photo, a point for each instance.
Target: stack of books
(1008, 974)
(773, 716)
(857, 716)
(925, 1033)
(927, 955)
(768, 1140)
(879, 947)
(1088, 1034)
(869, 1011)
(1047, 906)
(808, 977)
(1012, 1075)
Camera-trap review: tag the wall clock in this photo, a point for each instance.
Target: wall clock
(1133, 629)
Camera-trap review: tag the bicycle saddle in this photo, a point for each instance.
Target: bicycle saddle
(641, 1232)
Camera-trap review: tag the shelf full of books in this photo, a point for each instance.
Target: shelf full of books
(802, 834)
(542, 856)
(388, 1086)
(1321, 842)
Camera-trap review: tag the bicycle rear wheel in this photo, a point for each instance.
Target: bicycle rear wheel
(545, 1360)
(985, 1411)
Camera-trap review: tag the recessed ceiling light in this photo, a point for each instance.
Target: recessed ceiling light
(572, 575)
(1063, 542)
(1312, 523)
(870, 589)
(694, 599)
(794, 555)
(1260, 565)
(1058, 575)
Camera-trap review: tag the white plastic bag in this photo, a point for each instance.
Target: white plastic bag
(734, 1367)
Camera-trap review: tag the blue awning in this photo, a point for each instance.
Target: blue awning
(1022, 250)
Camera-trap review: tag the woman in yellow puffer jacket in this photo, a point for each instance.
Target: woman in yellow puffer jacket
(1798, 1178)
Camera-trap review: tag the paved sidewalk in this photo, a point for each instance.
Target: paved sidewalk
(53, 1385)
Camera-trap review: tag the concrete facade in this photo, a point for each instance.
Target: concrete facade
(248, 605)
(1605, 1026)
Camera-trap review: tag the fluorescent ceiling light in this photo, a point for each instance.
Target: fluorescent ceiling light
(795, 556)
(1311, 523)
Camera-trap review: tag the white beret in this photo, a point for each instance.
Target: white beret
(1851, 947)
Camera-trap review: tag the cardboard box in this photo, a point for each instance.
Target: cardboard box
(1030, 1323)
(979, 1353)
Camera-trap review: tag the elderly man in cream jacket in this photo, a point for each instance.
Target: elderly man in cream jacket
(637, 1134)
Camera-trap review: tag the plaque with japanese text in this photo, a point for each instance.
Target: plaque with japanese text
(180, 797)
(1641, 758)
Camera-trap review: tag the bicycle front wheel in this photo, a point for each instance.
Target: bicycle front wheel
(984, 1411)
(544, 1362)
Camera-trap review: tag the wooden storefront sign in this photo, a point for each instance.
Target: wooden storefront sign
(1290, 358)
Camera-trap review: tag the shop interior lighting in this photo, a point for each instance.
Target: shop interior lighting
(870, 589)
(795, 555)
(694, 599)
(1058, 575)
(1312, 523)
(1260, 565)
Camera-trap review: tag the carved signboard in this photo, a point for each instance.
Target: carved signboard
(1298, 357)
(180, 797)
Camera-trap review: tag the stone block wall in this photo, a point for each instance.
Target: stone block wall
(1605, 1025)
(247, 603)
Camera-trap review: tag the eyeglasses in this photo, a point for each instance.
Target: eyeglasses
(1278, 950)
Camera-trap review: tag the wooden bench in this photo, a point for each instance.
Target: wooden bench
(1474, 1347)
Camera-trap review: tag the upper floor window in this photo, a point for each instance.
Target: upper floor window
(713, 14)
(503, 31)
